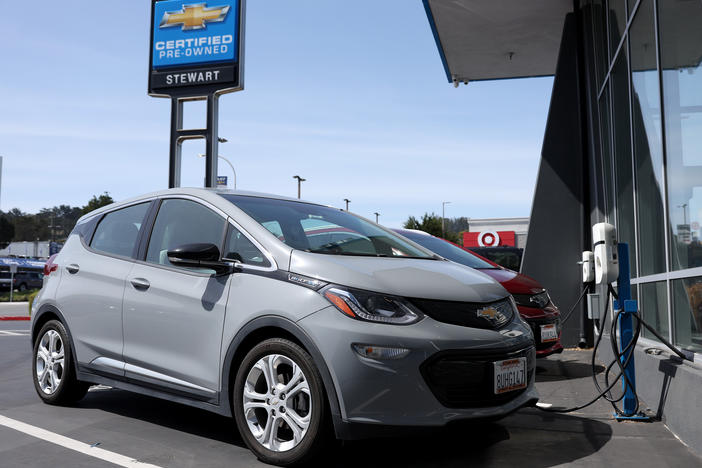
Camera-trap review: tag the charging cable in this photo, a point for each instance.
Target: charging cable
(621, 358)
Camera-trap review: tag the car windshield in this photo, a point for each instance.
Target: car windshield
(324, 230)
(448, 250)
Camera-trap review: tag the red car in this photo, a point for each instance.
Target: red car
(533, 301)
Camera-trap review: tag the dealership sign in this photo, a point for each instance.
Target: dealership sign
(196, 47)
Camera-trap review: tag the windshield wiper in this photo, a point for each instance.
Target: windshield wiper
(351, 254)
(360, 254)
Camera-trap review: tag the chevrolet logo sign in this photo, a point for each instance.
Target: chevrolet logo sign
(194, 16)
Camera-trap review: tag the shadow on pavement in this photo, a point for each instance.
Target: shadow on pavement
(551, 370)
(524, 440)
(165, 413)
(527, 439)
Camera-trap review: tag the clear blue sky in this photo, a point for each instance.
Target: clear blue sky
(350, 95)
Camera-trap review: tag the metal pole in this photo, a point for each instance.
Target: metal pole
(12, 283)
(443, 217)
(347, 203)
(300, 180)
(211, 140)
(232, 166)
(175, 147)
(376, 217)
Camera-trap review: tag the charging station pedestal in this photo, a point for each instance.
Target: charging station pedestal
(626, 334)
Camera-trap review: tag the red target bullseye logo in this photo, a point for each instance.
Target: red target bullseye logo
(488, 239)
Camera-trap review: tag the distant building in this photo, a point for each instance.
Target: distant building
(26, 249)
(493, 232)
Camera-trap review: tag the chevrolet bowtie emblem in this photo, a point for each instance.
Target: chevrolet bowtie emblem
(194, 16)
(488, 313)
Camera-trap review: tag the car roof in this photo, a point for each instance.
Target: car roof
(208, 194)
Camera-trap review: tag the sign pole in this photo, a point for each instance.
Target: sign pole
(196, 53)
(174, 158)
(212, 141)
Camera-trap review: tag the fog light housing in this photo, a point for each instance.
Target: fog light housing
(379, 352)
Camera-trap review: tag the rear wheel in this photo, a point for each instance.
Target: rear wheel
(279, 403)
(22, 287)
(52, 367)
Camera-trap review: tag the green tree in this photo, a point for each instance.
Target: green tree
(97, 202)
(7, 231)
(431, 223)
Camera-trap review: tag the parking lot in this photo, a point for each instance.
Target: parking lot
(121, 427)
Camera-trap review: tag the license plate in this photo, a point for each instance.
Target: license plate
(549, 333)
(510, 375)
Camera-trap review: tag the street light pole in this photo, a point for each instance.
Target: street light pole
(347, 203)
(684, 207)
(443, 217)
(376, 217)
(227, 161)
(300, 180)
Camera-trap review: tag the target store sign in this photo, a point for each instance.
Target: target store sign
(489, 239)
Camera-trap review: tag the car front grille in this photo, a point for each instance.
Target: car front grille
(465, 378)
(467, 314)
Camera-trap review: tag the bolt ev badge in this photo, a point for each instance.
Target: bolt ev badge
(194, 16)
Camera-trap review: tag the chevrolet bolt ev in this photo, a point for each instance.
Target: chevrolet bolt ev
(220, 300)
(533, 301)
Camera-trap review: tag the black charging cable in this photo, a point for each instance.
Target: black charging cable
(570, 312)
(621, 358)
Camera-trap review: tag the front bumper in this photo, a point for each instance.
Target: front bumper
(397, 392)
(546, 316)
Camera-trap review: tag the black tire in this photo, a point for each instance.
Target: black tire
(318, 431)
(69, 389)
(22, 287)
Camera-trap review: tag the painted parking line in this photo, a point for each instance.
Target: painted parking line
(72, 444)
(14, 332)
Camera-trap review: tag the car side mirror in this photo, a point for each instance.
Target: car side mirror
(199, 256)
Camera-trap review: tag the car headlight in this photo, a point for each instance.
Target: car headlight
(371, 306)
(539, 300)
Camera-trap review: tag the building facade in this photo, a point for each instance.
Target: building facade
(647, 80)
(623, 144)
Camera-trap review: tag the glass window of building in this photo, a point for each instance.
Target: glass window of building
(687, 302)
(606, 142)
(681, 52)
(648, 145)
(619, 81)
(599, 31)
(616, 15)
(654, 307)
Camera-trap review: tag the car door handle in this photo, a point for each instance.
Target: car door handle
(140, 283)
(72, 268)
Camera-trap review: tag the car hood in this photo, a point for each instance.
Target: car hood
(515, 283)
(407, 277)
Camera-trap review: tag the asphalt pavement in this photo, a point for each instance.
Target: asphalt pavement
(111, 428)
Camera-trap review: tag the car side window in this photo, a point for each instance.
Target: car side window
(118, 230)
(239, 247)
(181, 222)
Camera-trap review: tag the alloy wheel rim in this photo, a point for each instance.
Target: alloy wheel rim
(49, 363)
(277, 402)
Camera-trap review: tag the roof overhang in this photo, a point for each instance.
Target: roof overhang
(496, 39)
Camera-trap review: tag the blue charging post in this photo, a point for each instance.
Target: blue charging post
(626, 334)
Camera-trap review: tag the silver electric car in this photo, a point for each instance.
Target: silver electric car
(297, 319)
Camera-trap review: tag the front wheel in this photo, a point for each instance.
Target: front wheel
(52, 367)
(279, 403)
